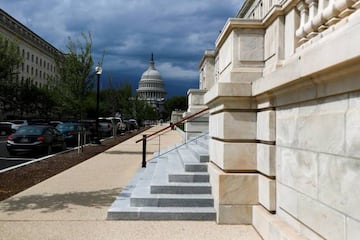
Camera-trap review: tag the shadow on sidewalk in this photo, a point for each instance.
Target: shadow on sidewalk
(56, 202)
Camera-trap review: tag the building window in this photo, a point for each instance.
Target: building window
(37, 59)
(27, 68)
(27, 55)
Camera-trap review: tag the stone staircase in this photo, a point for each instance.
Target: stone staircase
(174, 186)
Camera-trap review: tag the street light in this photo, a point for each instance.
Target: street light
(98, 71)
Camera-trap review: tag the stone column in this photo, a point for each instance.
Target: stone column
(199, 124)
(232, 151)
(233, 171)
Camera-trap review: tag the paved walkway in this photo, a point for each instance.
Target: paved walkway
(74, 203)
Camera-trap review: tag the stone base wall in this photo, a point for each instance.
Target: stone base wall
(318, 167)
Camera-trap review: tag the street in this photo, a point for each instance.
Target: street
(6, 160)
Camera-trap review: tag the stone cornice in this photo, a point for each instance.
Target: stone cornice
(236, 23)
(196, 91)
(245, 8)
(207, 54)
(242, 23)
(25, 34)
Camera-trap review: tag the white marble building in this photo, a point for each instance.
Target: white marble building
(283, 90)
(151, 87)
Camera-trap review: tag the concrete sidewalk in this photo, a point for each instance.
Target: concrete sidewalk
(74, 203)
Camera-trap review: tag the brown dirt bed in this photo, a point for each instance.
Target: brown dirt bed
(19, 179)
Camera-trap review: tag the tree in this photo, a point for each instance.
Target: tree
(10, 59)
(75, 81)
(175, 103)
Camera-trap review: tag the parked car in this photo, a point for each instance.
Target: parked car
(71, 131)
(35, 139)
(5, 128)
(54, 123)
(119, 124)
(18, 123)
(105, 127)
(133, 124)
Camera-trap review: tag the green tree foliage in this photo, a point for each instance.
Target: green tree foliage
(175, 103)
(116, 99)
(75, 81)
(10, 60)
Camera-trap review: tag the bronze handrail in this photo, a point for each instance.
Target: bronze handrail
(143, 164)
(173, 124)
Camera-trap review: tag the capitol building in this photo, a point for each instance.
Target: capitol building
(151, 87)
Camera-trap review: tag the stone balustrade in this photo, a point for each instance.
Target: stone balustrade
(318, 15)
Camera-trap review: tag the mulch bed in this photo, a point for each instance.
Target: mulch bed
(19, 179)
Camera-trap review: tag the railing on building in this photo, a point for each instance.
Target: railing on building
(170, 126)
(319, 15)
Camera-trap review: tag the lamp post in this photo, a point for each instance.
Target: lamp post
(98, 71)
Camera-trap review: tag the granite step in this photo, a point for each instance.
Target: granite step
(199, 151)
(189, 177)
(203, 142)
(174, 186)
(181, 188)
(191, 162)
(165, 213)
(171, 200)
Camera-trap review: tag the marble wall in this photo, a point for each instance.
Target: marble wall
(317, 164)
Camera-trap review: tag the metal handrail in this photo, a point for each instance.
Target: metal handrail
(180, 145)
(172, 125)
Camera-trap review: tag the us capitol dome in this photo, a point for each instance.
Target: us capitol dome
(151, 86)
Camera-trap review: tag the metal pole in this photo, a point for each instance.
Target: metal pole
(144, 152)
(97, 141)
(79, 142)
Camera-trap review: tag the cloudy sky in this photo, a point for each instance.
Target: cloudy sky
(176, 31)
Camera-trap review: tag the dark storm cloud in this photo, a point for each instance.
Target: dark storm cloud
(178, 32)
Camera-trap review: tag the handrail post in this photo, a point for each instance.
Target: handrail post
(144, 152)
